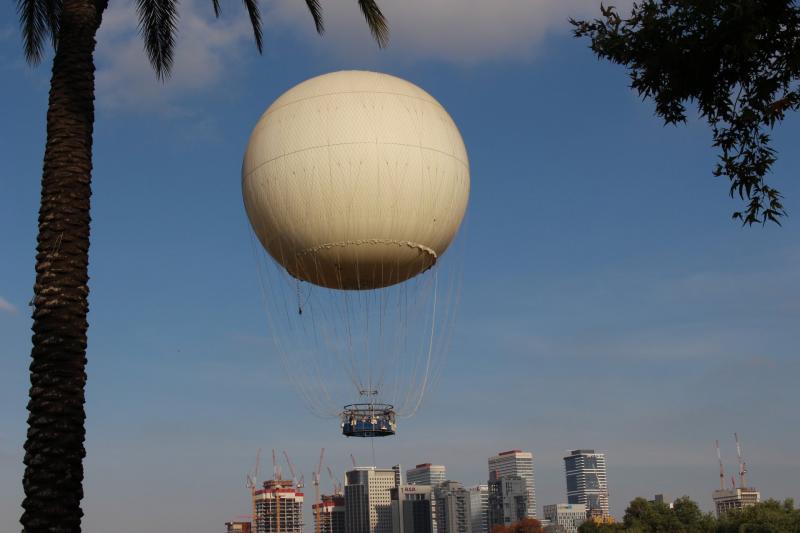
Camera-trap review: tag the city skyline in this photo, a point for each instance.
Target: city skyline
(564, 505)
(608, 301)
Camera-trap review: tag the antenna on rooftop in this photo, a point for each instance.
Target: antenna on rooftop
(721, 469)
(742, 465)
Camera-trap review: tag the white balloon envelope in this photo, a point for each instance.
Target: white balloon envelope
(356, 183)
(355, 180)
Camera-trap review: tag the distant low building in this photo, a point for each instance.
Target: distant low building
(601, 519)
(660, 499)
(567, 515)
(237, 527)
(737, 498)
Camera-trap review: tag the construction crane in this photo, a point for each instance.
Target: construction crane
(298, 482)
(721, 470)
(354, 461)
(742, 465)
(276, 468)
(337, 487)
(252, 483)
(315, 481)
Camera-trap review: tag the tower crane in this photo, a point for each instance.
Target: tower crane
(721, 470)
(337, 487)
(276, 468)
(742, 465)
(252, 484)
(298, 482)
(315, 481)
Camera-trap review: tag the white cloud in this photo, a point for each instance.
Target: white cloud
(460, 31)
(205, 49)
(7, 306)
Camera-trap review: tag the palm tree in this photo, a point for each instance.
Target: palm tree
(54, 452)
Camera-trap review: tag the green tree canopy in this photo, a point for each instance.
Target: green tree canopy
(770, 516)
(685, 516)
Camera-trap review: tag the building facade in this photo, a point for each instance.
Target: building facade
(279, 508)
(426, 474)
(727, 499)
(569, 516)
(368, 500)
(508, 500)
(329, 514)
(412, 509)
(452, 508)
(516, 463)
(479, 508)
(237, 527)
(587, 482)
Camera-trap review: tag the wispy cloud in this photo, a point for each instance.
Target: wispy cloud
(7, 306)
(460, 31)
(206, 49)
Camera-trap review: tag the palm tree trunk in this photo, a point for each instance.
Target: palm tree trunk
(54, 449)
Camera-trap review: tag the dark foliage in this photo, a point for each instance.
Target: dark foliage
(737, 60)
(685, 516)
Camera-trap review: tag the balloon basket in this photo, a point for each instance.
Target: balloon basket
(368, 420)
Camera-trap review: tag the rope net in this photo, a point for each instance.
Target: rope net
(383, 346)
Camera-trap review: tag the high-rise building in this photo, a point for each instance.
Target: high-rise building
(452, 508)
(279, 508)
(430, 475)
(587, 482)
(736, 498)
(479, 508)
(508, 500)
(237, 527)
(516, 463)
(567, 515)
(329, 514)
(426, 474)
(368, 501)
(412, 509)
(398, 475)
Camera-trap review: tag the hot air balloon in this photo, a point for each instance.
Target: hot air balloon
(355, 184)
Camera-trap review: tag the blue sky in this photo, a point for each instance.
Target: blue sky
(608, 302)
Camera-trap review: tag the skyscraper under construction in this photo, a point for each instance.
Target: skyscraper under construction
(278, 508)
(329, 514)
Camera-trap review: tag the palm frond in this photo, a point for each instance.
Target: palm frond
(376, 21)
(215, 4)
(255, 21)
(39, 20)
(157, 24)
(316, 13)
(53, 11)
